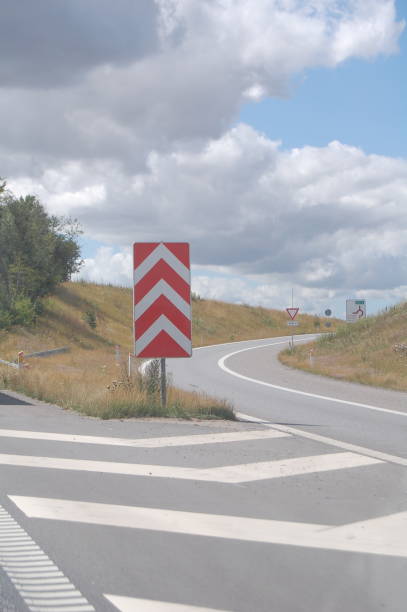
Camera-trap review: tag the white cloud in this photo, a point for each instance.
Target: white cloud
(108, 266)
(319, 218)
(131, 135)
(180, 78)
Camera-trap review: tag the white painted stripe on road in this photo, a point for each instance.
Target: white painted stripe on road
(134, 604)
(362, 450)
(192, 440)
(230, 474)
(386, 535)
(221, 364)
(20, 566)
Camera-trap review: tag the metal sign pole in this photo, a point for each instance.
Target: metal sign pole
(292, 306)
(163, 384)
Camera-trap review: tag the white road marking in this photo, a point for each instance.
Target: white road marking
(385, 535)
(134, 604)
(169, 441)
(229, 474)
(31, 573)
(221, 364)
(362, 450)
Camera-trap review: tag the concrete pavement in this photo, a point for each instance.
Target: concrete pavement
(171, 516)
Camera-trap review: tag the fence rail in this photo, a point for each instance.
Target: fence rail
(10, 363)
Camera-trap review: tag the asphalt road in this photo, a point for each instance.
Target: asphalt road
(304, 512)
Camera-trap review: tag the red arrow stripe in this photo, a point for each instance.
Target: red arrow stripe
(163, 306)
(163, 344)
(161, 271)
(143, 250)
(180, 250)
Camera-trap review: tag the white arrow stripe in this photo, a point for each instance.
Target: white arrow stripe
(385, 535)
(162, 288)
(134, 604)
(216, 438)
(161, 252)
(230, 474)
(163, 324)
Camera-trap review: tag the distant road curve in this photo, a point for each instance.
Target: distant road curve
(250, 375)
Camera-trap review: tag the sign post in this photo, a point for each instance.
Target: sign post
(292, 313)
(162, 303)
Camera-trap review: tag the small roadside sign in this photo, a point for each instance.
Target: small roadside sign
(292, 322)
(292, 312)
(355, 310)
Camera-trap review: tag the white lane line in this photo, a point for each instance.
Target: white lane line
(215, 438)
(230, 474)
(134, 604)
(221, 364)
(385, 535)
(300, 337)
(36, 592)
(362, 450)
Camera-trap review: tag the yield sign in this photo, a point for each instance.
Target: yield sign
(292, 312)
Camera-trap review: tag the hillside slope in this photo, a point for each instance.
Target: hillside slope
(63, 322)
(372, 351)
(94, 322)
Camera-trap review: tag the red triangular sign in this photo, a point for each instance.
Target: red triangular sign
(292, 312)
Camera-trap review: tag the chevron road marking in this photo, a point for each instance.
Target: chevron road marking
(368, 452)
(170, 441)
(133, 604)
(38, 580)
(232, 474)
(386, 535)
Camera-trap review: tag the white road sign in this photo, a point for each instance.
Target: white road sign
(355, 310)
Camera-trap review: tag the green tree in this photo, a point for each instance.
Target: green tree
(37, 251)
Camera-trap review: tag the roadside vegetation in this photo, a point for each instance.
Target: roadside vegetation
(37, 252)
(41, 310)
(372, 351)
(95, 323)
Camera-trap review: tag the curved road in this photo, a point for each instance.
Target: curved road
(250, 375)
(302, 507)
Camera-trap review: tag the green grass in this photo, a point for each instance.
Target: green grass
(361, 352)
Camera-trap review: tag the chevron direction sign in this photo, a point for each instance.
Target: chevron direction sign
(162, 300)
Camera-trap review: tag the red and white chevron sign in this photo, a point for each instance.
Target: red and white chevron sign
(162, 299)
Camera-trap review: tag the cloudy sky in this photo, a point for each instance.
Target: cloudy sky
(270, 134)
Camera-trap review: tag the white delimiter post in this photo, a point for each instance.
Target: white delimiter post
(163, 384)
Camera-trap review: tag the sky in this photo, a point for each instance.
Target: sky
(270, 134)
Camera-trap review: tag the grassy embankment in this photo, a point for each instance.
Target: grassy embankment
(80, 378)
(361, 352)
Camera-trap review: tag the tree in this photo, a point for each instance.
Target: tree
(37, 251)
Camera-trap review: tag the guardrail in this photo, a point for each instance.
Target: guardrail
(20, 363)
(11, 364)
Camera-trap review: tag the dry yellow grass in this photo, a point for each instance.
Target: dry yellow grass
(79, 379)
(361, 352)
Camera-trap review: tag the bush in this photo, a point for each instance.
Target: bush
(6, 319)
(23, 312)
(90, 318)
